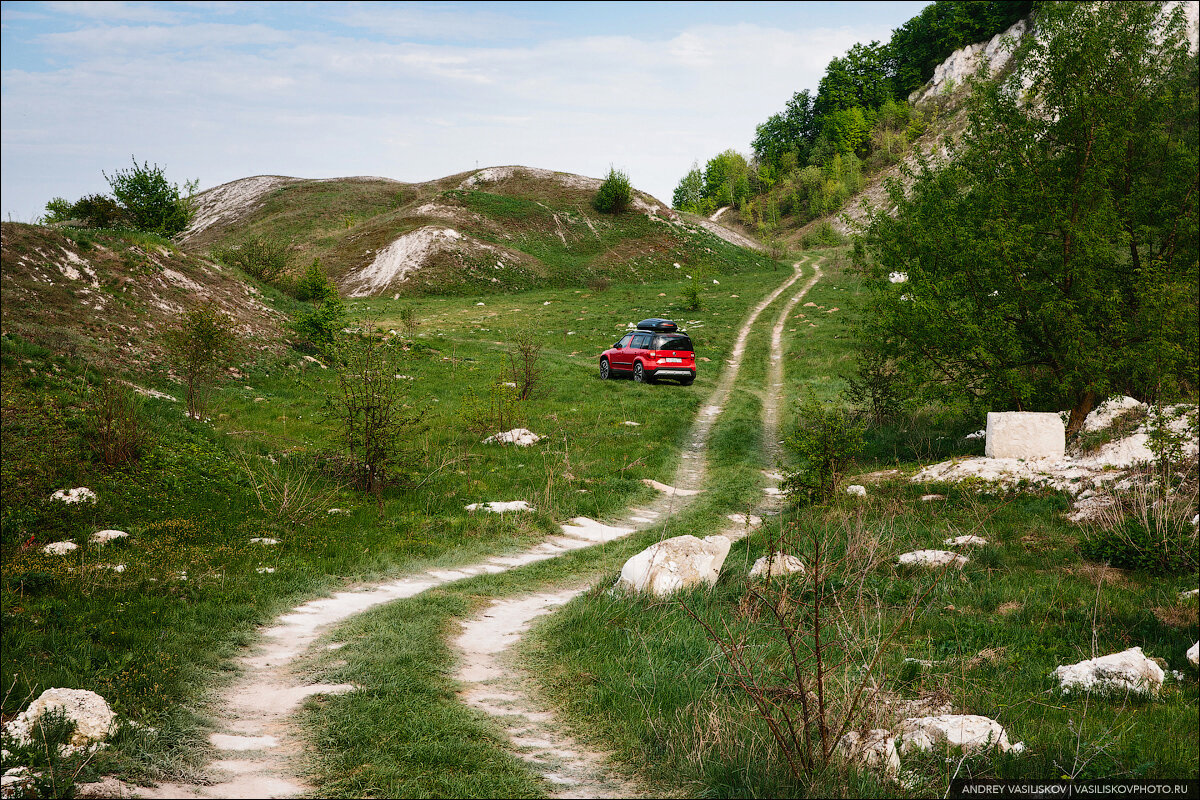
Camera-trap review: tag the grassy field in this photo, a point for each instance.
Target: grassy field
(157, 636)
(658, 689)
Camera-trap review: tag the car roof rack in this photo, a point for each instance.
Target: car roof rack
(657, 325)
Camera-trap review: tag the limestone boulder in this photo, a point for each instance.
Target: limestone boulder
(104, 537)
(1025, 434)
(59, 548)
(966, 541)
(1116, 673)
(1193, 654)
(775, 565)
(673, 564)
(521, 437)
(931, 559)
(856, 489)
(971, 732)
(80, 494)
(92, 716)
(876, 750)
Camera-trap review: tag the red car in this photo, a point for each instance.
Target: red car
(657, 349)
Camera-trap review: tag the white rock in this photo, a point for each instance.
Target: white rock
(979, 434)
(104, 537)
(1193, 654)
(16, 782)
(263, 540)
(500, 507)
(966, 541)
(59, 548)
(777, 564)
(518, 436)
(1025, 434)
(857, 490)
(1127, 671)
(113, 567)
(929, 498)
(1103, 415)
(340, 511)
(874, 750)
(265, 570)
(932, 558)
(631, 423)
(674, 564)
(971, 732)
(1189, 594)
(897, 277)
(92, 717)
(80, 494)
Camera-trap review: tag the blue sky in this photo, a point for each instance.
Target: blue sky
(413, 91)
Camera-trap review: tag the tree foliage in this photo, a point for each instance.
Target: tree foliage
(151, 202)
(1053, 261)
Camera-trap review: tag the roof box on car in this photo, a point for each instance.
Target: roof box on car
(657, 325)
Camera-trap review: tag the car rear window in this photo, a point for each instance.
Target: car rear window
(675, 342)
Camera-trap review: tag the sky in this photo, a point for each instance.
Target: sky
(215, 91)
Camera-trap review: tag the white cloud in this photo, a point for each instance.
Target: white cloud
(224, 100)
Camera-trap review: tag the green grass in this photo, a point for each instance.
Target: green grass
(156, 644)
(640, 677)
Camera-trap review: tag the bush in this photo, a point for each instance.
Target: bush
(615, 195)
(319, 328)
(202, 343)
(116, 429)
(315, 283)
(825, 441)
(822, 236)
(150, 202)
(92, 211)
(264, 257)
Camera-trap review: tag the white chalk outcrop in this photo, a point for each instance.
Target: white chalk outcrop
(59, 548)
(674, 564)
(991, 55)
(931, 559)
(966, 541)
(410, 252)
(104, 537)
(518, 436)
(857, 490)
(93, 718)
(970, 732)
(501, 507)
(1116, 673)
(1193, 654)
(777, 564)
(80, 494)
(1025, 434)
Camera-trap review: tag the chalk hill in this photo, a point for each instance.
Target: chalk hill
(492, 230)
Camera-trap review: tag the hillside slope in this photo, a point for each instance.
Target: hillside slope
(496, 229)
(107, 297)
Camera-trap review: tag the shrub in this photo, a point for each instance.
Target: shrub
(264, 257)
(314, 285)
(117, 431)
(524, 364)
(825, 441)
(151, 203)
(615, 195)
(202, 343)
(92, 211)
(692, 295)
(822, 236)
(319, 328)
(1148, 527)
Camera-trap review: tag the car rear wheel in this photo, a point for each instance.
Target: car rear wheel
(639, 373)
(605, 371)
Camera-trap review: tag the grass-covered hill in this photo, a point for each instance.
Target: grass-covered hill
(106, 296)
(500, 229)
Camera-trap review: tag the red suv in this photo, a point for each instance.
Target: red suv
(657, 349)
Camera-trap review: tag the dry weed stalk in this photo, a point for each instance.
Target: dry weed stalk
(808, 664)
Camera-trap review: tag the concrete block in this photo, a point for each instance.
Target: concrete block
(1025, 434)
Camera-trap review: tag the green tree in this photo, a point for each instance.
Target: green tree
(615, 195)
(201, 345)
(315, 284)
(151, 202)
(320, 327)
(826, 439)
(690, 191)
(1053, 260)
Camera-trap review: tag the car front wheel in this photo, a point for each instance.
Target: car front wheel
(605, 372)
